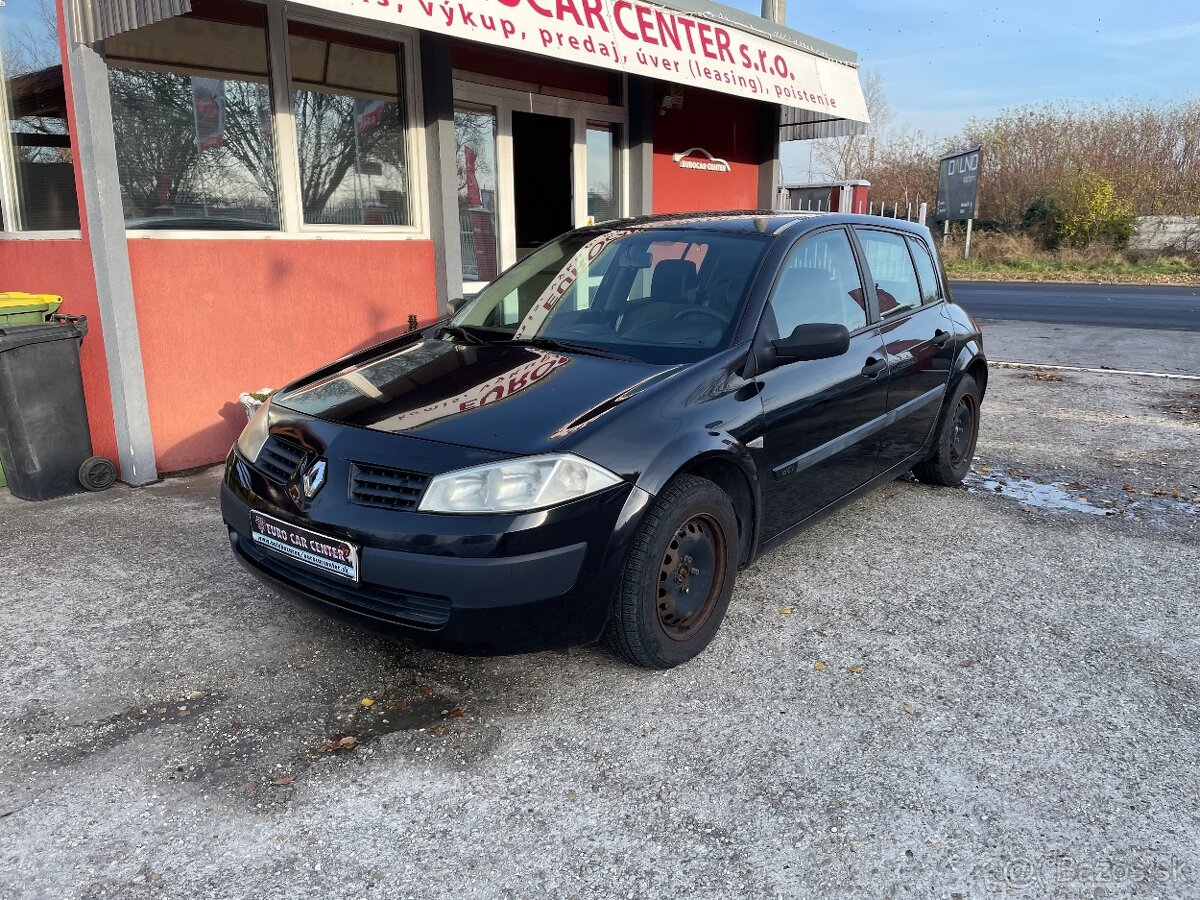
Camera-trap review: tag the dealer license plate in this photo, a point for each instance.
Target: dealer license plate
(330, 555)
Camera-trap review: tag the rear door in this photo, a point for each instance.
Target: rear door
(917, 334)
(821, 417)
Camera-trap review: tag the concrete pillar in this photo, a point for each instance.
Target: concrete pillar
(441, 150)
(96, 156)
(640, 93)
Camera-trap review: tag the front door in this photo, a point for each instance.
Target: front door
(917, 336)
(543, 187)
(821, 418)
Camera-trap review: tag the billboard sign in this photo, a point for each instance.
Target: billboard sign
(637, 37)
(958, 185)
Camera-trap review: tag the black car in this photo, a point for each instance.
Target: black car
(597, 442)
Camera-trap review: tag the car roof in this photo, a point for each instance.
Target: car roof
(753, 221)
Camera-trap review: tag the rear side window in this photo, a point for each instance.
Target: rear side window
(931, 291)
(892, 270)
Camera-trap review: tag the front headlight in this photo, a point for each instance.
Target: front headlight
(517, 485)
(254, 435)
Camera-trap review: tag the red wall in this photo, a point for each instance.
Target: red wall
(218, 317)
(65, 267)
(725, 126)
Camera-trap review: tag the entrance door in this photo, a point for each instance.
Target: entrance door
(530, 166)
(543, 186)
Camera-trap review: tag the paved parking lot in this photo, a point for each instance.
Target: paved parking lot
(989, 691)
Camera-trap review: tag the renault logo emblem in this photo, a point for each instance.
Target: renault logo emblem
(314, 479)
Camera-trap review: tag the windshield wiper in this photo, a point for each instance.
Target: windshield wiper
(460, 333)
(548, 343)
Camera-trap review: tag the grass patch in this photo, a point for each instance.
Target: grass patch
(1006, 257)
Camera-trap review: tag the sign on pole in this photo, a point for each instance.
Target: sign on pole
(958, 186)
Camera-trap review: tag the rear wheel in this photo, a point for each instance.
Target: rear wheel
(954, 444)
(678, 577)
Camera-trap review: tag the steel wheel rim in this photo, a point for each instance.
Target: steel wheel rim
(690, 577)
(962, 437)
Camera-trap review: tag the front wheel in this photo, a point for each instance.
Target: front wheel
(954, 444)
(678, 577)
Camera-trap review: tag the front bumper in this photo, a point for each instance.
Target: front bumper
(470, 584)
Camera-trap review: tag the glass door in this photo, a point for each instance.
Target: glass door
(530, 167)
(475, 139)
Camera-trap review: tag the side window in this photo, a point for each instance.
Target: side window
(819, 283)
(892, 268)
(931, 291)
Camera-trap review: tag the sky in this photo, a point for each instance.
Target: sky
(943, 63)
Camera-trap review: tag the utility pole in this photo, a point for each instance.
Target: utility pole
(775, 11)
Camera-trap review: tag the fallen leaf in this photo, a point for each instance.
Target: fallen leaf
(438, 729)
(349, 742)
(399, 705)
(786, 611)
(1127, 487)
(1074, 485)
(967, 663)
(196, 695)
(284, 781)
(908, 708)
(985, 469)
(367, 701)
(760, 598)
(456, 714)
(426, 689)
(856, 670)
(820, 666)
(184, 713)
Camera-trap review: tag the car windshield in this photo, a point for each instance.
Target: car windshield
(660, 296)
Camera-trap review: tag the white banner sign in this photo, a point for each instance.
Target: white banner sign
(636, 37)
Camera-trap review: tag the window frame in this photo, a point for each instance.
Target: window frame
(287, 149)
(9, 191)
(937, 277)
(860, 264)
(902, 312)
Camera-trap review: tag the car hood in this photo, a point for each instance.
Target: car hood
(509, 398)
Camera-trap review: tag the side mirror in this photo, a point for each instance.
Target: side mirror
(820, 340)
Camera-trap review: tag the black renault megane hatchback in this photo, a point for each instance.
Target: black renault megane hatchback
(595, 444)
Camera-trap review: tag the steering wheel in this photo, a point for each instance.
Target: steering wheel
(701, 311)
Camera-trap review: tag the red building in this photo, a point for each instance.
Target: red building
(235, 192)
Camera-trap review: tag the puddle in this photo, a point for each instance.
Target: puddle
(1052, 496)
(1073, 496)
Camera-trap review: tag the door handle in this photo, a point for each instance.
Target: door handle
(942, 338)
(874, 367)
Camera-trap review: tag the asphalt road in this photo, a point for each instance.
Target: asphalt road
(1173, 307)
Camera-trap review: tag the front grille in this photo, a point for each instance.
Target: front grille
(386, 488)
(279, 459)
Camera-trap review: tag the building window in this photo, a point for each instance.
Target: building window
(37, 176)
(351, 128)
(475, 137)
(603, 173)
(191, 102)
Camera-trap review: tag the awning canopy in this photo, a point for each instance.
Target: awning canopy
(687, 42)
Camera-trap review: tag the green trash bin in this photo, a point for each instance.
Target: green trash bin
(18, 308)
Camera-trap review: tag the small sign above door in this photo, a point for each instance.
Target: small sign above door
(699, 158)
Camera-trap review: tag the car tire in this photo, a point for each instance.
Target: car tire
(954, 443)
(678, 577)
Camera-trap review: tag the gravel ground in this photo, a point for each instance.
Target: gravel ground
(933, 693)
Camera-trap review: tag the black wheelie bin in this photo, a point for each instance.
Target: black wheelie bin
(45, 442)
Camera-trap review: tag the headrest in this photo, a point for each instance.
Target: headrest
(673, 280)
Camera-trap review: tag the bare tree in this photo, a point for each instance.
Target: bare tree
(849, 157)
